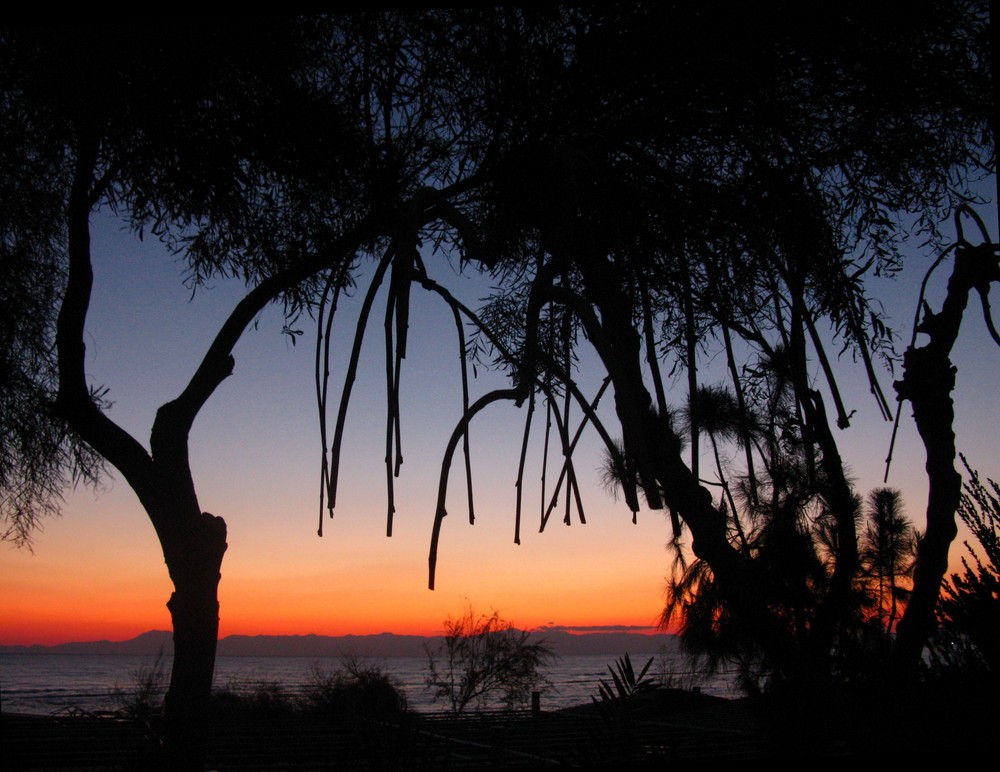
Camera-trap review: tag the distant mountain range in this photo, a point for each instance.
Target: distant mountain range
(611, 644)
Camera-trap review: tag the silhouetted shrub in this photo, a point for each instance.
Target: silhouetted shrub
(482, 658)
(253, 696)
(968, 643)
(143, 698)
(359, 687)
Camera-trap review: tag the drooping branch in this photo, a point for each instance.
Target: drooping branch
(564, 442)
(631, 497)
(741, 406)
(661, 397)
(391, 396)
(571, 483)
(544, 361)
(516, 394)
(572, 447)
(352, 370)
(466, 452)
(631, 422)
(324, 326)
(397, 313)
(690, 347)
(519, 484)
(651, 358)
(843, 419)
(866, 357)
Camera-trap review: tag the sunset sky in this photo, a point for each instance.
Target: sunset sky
(97, 572)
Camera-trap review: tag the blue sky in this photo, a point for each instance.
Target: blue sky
(98, 571)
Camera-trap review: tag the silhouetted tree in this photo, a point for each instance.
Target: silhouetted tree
(741, 189)
(654, 181)
(927, 382)
(888, 553)
(274, 152)
(484, 658)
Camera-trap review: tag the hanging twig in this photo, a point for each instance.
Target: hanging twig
(324, 330)
(843, 419)
(564, 442)
(567, 365)
(572, 447)
(630, 491)
(543, 513)
(391, 396)
(516, 394)
(741, 405)
(520, 467)
(465, 406)
(874, 386)
(691, 348)
(352, 370)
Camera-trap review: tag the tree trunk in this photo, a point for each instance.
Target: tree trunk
(933, 412)
(193, 553)
(928, 380)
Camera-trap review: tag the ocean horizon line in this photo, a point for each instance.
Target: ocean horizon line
(562, 640)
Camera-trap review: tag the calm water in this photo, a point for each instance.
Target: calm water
(46, 683)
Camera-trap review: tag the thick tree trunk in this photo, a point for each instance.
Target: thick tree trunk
(194, 555)
(665, 477)
(928, 380)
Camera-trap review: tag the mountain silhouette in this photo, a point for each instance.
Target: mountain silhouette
(380, 645)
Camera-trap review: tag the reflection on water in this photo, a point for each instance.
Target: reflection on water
(46, 683)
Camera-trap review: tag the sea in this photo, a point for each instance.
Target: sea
(46, 684)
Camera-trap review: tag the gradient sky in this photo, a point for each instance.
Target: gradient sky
(97, 572)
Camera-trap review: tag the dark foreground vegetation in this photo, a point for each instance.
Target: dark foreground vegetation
(648, 188)
(661, 727)
(357, 718)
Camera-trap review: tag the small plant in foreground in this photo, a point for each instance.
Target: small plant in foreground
(361, 686)
(615, 703)
(253, 696)
(144, 697)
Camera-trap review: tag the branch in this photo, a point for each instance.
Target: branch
(73, 401)
(323, 372)
(520, 467)
(572, 447)
(352, 371)
(843, 419)
(174, 419)
(516, 394)
(631, 498)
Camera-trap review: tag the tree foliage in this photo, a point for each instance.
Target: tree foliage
(240, 146)
(725, 203)
(484, 660)
(888, 554)
(969, 609)
(655, 184)
(39, 455)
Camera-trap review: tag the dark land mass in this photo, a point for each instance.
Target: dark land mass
(670, 726)
(151, 643)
